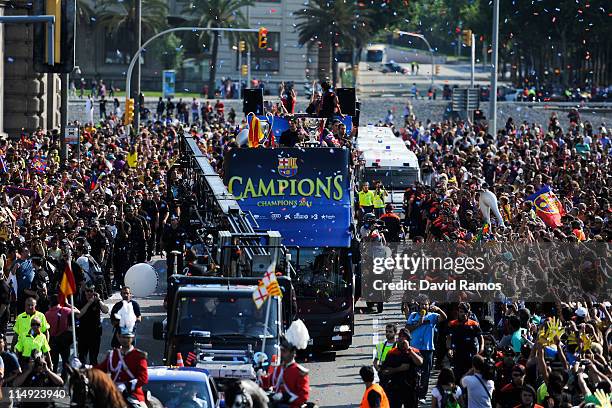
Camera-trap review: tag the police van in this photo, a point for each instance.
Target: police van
(385, 157)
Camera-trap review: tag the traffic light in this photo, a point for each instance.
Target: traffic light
(437, 70)
(64, 36)
(129, 111)
(262, 38)
(467, 37)
(242, 46)
(244, 70)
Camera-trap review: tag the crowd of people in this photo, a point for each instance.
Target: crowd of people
(110, 207)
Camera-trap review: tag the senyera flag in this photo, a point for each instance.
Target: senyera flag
(67, 285)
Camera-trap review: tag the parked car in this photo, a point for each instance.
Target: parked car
(182, 386)
(393, 67)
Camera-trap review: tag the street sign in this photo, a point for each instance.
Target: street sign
(72, 135)
(168, 83)
(465, 99)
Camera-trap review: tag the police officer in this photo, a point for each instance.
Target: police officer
(380, 195)
(366, 198)
(383, 347)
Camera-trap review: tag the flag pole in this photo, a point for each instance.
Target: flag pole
(265, 333)
(74, 339)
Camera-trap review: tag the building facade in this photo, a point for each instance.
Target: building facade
(99, 55)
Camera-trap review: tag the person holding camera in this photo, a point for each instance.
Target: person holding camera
(60, 331)
(37, 373)
(89, 332)
(423, 326)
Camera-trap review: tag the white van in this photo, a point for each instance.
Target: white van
(385, 157)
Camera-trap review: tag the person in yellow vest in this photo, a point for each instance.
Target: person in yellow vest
(33, 340)
(366, 198)
(380, 195)
(374, 395)
(383, 347)
(22, 322)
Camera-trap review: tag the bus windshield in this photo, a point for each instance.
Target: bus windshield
(321, 272)
(223, 315)
(396, 179)
(374, 55)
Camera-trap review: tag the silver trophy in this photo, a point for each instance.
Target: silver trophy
(313, 127)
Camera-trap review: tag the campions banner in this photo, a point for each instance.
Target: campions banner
(303, 193)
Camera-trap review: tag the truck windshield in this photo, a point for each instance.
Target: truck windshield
(223, 316)
(320, 272)
(397, 178)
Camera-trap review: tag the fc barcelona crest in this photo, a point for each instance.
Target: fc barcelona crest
(287, 166)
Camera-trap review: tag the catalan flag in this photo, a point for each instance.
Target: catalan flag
(255, 133)
(67, 285)
(260, 295)
(274, 289)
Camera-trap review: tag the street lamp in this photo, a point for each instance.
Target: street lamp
(422, 37)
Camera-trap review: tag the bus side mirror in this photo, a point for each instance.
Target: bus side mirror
(158, 331)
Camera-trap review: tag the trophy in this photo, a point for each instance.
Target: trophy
(313, 126)
(265, 125)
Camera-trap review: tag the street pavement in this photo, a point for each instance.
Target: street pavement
(334, 377)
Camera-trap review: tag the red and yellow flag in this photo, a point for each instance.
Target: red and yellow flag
(255, 133)
(67, 285)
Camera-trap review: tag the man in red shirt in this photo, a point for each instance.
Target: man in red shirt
(220, 108)
(128, 367)
(60, 332)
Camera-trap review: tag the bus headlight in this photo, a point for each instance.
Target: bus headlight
(342, 328)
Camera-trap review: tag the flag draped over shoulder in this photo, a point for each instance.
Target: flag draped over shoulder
(67, 285)
(255, 133)
(547, 206)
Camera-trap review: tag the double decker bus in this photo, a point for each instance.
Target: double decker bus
(305, 193)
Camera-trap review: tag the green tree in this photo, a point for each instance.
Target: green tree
(119, 20)
(218, 14)
(170, 50)
(330, 24)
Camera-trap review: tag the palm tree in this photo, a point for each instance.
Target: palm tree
(330, 24)
(218, 14)
(118, 18)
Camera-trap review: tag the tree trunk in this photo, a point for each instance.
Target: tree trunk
(324, 62)
(213, 66)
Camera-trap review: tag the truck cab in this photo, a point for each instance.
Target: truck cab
(217, 320)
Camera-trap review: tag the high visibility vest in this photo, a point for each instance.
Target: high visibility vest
(366, 198)
(382, 349)
(379, 199)
(384, 402)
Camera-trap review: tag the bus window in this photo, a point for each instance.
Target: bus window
(320, 273)
(374, 56)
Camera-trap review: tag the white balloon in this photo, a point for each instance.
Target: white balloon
(142, 279)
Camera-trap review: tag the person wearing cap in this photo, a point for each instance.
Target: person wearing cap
(509, 396)
(34, 340)
(464, 340)
(289, 380)
(399, 373)
(374, 395)
(128, 368)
